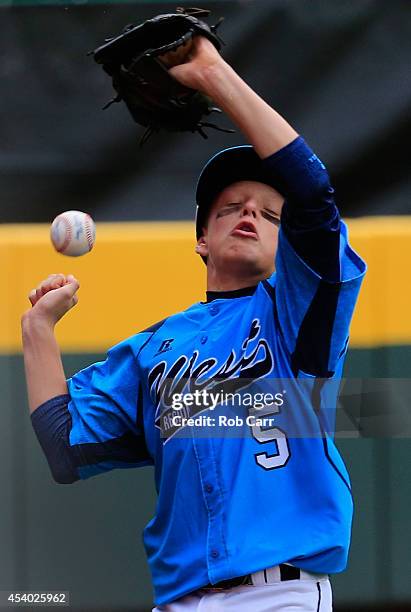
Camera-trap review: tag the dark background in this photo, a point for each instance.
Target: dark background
(339, 70)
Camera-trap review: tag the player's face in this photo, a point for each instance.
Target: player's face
(242, 229)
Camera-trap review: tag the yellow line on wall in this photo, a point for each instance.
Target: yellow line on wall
(139, 273)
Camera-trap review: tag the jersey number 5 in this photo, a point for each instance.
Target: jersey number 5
(269, 435)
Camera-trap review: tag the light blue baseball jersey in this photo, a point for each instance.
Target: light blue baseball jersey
(228, 505)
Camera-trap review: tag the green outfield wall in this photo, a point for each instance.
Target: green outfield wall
(86, 538)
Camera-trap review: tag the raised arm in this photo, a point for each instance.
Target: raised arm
(92, 422)
(205, 70)
(45, 376)
(317, 274)
(309, 217)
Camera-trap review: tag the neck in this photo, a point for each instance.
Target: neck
(229, 282)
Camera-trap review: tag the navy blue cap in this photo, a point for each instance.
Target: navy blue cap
(226, 167)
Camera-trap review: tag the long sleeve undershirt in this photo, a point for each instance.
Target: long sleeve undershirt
(309, 218)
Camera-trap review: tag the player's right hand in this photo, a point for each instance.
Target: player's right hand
(53, 297)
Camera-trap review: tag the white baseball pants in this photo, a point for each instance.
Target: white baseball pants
(311, 593)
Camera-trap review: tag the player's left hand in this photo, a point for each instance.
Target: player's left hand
(192, 63)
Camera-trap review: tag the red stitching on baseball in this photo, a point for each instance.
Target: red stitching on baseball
(88, 222)
(68, 234)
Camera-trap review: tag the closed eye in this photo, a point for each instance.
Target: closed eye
(270, 216)
(228, 209)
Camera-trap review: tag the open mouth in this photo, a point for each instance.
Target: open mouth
(245, 229)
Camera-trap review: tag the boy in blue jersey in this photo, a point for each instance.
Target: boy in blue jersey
(245, 523)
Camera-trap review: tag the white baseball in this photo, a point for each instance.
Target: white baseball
(73, 233)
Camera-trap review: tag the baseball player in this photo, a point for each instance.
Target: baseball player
(242, 523)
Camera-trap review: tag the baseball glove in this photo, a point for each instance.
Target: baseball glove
(154, 98)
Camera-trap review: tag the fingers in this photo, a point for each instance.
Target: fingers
(70, 289)
(32, 297)
(73, 285)
(177, 56)
(51, 282)
(54, 281)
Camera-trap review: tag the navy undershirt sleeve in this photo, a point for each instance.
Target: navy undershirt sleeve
(52, 424)
(310, 218)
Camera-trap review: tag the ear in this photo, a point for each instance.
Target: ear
(201, 246)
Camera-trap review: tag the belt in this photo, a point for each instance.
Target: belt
(271, 575)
